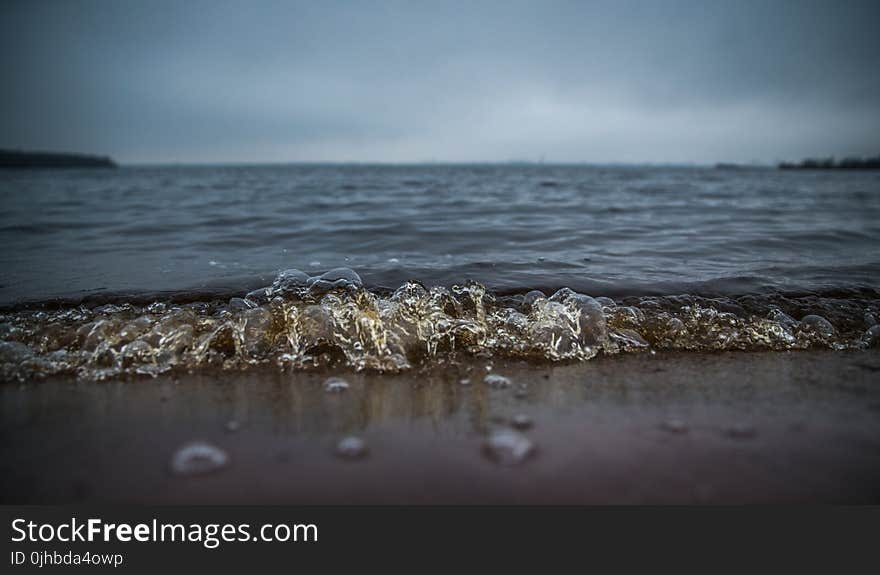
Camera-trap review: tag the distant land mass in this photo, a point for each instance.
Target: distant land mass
(24, 159)
(732, 166)
(832, 164)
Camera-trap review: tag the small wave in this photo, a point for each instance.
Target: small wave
(304, 322)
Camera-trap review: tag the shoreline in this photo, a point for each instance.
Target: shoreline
(732, 427)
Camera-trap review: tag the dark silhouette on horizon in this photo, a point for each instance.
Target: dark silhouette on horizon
(832, 164)
(24, 159)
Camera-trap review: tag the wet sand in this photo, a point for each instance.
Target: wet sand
(664, 428)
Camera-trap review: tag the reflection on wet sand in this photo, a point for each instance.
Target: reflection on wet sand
(730, 427)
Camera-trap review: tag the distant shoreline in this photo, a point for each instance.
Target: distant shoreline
(832, 164)
(23, 159)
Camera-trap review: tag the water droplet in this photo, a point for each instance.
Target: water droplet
(157, 307)
(675, 326)
(337, 278)
(197, 458)
(508, 447)
(239, 304)
(352, 448)
(628, 339)
(259, 296)
(13, 352)
(531, 297)
(497, 381)
(783, 319)
(335, 385)
(606, 302)
(818, 325)
(288, 282)
(872, 337)
(521, 421)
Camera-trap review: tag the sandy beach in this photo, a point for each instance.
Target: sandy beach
(644, 428)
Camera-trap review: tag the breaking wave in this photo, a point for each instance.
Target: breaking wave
(303, 322)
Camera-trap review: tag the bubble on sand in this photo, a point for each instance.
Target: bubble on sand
(508, 447)
(674, 426)
(352, 448)
(497, 381)
(464, 382)
(335, 385)
(232, 426)
(521, 421)
(198, 458)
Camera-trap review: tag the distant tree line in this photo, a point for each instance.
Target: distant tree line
(832, 164)
(20, 159)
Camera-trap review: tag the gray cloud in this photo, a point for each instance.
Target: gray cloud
(694, 81)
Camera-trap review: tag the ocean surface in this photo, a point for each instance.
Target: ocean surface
(751, 243)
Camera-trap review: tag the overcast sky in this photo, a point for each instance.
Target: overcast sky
(194, 81)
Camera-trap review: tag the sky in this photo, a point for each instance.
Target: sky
(696, 81)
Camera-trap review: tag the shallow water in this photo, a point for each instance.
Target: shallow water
(307, 322)
(150, 270)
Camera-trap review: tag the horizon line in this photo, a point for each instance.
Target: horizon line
(246, 163)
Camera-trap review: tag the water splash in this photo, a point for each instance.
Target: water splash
(303, 322)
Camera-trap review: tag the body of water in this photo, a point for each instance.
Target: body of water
(607, 231)
(665, 244)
